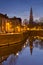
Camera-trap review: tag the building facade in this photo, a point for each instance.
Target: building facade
(8, 24)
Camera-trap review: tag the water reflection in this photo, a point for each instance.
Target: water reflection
(23, 53)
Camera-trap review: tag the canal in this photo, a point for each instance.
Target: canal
(27, 52)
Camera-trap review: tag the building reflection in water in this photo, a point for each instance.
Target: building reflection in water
(12, 49)
(31, 44)
(9, 54)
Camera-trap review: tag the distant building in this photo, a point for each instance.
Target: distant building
(3, 19)
(16, 21)
(25, 22)
(31, 17)
(32, 23)
(7, 23)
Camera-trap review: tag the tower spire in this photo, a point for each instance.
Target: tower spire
(31, 16)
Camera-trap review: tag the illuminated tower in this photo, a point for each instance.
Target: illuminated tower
(31, 17)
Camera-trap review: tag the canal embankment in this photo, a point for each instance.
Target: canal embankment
(7, 39)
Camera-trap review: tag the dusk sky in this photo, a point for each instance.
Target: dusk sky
(21, 8)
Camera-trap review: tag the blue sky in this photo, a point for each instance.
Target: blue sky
(21, 8)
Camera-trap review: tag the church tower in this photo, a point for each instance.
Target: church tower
(31, 17)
